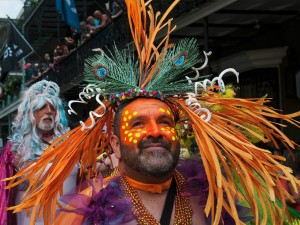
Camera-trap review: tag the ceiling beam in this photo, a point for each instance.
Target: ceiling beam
(230, 25)
(260, 12)
(203, 11)
(197, 14)
(209, 38)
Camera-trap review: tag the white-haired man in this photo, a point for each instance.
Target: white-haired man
(40, 120)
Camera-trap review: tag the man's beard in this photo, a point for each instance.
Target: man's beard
(155, 163)
(46, 126)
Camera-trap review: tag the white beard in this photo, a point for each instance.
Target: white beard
(46, 126)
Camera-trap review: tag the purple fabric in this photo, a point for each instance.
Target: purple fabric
(109, 206)
(105, 207)
(197, 185)
(6, 170)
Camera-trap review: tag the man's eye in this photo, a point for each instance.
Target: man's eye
(137, 124)
(164, 122)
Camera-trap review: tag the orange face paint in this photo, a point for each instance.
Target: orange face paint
(147, 117)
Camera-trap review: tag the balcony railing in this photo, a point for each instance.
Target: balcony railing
(71, 68)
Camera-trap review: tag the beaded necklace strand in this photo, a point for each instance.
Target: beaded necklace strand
(183, 211)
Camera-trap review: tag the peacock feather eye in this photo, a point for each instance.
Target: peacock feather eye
(100, 72)
(180, 59)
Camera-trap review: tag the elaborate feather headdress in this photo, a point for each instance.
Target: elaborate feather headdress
(220, 132)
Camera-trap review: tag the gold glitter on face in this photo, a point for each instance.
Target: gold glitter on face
(138, 122)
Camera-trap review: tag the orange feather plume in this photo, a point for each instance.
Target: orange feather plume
(144, 36)
(226, 151)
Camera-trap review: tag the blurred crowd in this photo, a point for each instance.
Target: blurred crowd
(89, 27)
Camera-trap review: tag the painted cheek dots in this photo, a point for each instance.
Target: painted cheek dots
(132, 136)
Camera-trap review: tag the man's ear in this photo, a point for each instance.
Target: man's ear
(115, 144)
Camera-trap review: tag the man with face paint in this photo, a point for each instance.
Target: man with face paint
(147, 146)
(40, 120)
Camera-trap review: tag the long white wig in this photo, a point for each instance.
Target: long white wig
(25, 138)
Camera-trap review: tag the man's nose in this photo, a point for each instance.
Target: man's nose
(48, 109)
(154, 130)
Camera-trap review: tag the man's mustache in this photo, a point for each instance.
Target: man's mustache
(47, 117)
(154, 141)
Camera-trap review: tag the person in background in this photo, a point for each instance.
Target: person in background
(117, 10)
(75, 35)
(60, 52)
(71, 44)
(103, 18)
(72, 39)
(92, 22)
(40, 120)
(85, 31)
(37, 71)
(29, 71)
(48, 62)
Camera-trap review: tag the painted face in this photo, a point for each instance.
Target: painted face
(149, 141)
(45, 117)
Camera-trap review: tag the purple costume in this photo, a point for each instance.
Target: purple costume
(6, 170)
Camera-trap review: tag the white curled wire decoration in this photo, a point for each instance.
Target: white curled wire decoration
(203, 85)
(87, 93)
(190, 80)
(192, 102)
(221, 83)
(93, 114)
(195, 106)
(210, 83)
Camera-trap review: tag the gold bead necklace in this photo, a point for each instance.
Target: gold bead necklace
(183, 211)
